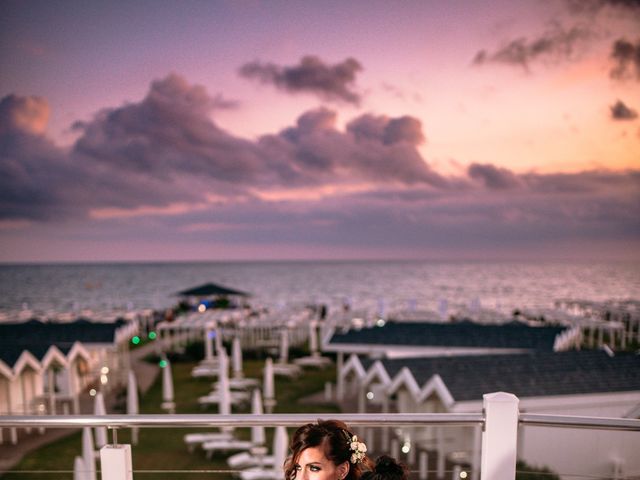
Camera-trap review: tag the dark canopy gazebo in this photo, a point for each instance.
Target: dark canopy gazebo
(211, 290)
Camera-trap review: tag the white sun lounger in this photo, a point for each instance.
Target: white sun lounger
(214, 397)
(248, 459)
(194, 439)
(316, 361)
(240, 383)
(286, 369)
(204, 371)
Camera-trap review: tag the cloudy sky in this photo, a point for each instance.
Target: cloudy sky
(159, 130)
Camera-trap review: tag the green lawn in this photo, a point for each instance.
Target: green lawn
(161, 453)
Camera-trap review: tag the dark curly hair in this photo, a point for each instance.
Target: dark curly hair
(333, 436)
(387, 468)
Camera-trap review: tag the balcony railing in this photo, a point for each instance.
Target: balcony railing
(499, 421)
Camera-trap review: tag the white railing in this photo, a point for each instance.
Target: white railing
(499, 421)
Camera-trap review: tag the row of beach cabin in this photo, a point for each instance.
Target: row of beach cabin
(46, 367)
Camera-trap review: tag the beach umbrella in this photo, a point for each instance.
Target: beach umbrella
(280, 441)
(313, 338)
(88, 455)
(132, 403)
(79, 469)
(167, 387)
(284, 345)
(257, 432)
(268, 385)
(236, 354)
(99, 409)
(224, 403)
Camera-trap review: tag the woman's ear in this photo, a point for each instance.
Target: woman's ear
(343, 470)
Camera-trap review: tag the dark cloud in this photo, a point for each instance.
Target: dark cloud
(33, 171)
(23, 114)
(312, 75)
(620, 111)
(388, 131)
(595, 6)
(168, 132)
(166, 149)
(555, 45)
(583, 183)
(492, 177)
(165, 166)
(626, 58)
(414, 218)
(374, 149)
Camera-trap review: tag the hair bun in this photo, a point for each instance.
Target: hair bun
(388, 466)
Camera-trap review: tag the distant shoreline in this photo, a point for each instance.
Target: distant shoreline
(435, 261)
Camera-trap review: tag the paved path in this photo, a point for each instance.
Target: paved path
(10, 455)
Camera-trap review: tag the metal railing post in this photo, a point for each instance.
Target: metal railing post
(115, 462)
(500, 437)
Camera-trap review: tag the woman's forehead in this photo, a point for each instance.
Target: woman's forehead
(312, 454)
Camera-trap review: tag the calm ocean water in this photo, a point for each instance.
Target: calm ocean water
(43, 289)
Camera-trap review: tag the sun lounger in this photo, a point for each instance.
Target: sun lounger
(194, 439)
(240, 383)
(286, 369)
(205, 371)
(315, 361)
(243, 383)
(214, 397)
(249, 459)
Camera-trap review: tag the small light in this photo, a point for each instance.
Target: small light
(104, 379)
(406, 448)
(370, 395)
(463, 474)
(380, 322)
(163, 363)
(41, 408)
(202, 307)
(93, 392)
(152, 335)
(135, 340)
(104, 370)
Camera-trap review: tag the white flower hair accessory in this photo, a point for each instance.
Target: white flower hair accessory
(358, 449)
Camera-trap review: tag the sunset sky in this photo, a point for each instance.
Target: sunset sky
(159, 130)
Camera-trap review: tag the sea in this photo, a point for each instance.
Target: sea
(109, 289)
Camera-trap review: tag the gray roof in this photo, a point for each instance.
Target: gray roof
(527, 375)
(211, 290)
(9, 353)
(460, 334)
(36, 336)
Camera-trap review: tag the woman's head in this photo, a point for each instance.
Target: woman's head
(325, 451)
(387, 469)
